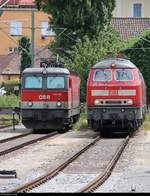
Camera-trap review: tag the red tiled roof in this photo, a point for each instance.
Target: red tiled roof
(19, 2)
(10, 64)
(130, 27)
(4, 61)
(27, 2)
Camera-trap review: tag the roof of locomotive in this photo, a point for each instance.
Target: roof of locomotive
(119, 62)
(48, 70)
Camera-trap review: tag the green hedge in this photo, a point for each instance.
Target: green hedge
(10, 85)
(9, 101)
(138, 51)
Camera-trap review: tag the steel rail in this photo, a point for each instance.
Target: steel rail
(4, 126)
(42, 179)
(97, 182)
(13, 138)
(27, 143)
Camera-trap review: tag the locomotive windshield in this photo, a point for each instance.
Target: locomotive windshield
(33, 82)
(103, 75)
(55, 82)
(123, 74)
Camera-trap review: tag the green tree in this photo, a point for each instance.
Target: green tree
(139, 54)
(77, 18)
(88, 52)
(25, 51)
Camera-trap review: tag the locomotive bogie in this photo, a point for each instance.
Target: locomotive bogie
(123, 117)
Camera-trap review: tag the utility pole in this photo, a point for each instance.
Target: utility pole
(33, 37)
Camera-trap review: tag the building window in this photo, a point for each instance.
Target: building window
(137, 10)
(46, 30)
(13, 49)
(16, 28)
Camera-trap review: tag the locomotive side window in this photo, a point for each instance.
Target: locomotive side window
(123, 75)
(33, 82)
(103, 75)
(55, 82)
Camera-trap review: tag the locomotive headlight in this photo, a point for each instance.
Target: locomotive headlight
(130, 101)
(98, 102)
(59, 104)
(30, 103)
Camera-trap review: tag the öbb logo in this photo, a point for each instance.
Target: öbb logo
(44, 97)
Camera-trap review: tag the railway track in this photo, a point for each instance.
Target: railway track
(96, 183)
(37, 182)
(88, 188)
(4, 126)
(9, 145)
(13, 138)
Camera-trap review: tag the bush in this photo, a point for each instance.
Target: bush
(9, 101)
(138, 51)
(88, 52)
(82, 123)
(10, 87)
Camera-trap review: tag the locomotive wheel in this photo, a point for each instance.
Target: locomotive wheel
(95, 126)
(64, 130)
(103, 133)
(61, 131)
(35, 130)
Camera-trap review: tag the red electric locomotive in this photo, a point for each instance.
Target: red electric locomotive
(50, 97)
(116, 96)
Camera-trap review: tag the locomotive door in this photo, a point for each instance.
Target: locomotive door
(71, 92)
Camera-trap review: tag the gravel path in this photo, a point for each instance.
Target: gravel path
(132, 172)
(37, 159)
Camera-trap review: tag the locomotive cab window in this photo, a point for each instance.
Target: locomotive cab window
(33, 82)
(103, 75)
(55, 82)
(123, 75)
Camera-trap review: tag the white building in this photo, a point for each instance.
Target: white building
(132, 8)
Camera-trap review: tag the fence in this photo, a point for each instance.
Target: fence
(10, 111)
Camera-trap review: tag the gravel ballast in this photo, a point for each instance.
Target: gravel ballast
(132, 172)
(84, 169)
(37, 159)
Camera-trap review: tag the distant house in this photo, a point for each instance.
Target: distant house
(10, 64)
(131, 17)
(16, 21)
(4, 67)
(132, 9)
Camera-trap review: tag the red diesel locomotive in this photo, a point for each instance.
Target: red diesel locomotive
(116, 96)
(50, 98)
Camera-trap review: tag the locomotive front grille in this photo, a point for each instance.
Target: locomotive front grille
(113, 102)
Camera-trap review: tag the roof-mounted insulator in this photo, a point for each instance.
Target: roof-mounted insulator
(51, 62)
(120, 55)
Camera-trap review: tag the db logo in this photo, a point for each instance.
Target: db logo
(44, 97)
(113, 92)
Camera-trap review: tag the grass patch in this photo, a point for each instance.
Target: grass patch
(9, 101)
(146, 124)
(82, 123)
(6, 119)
